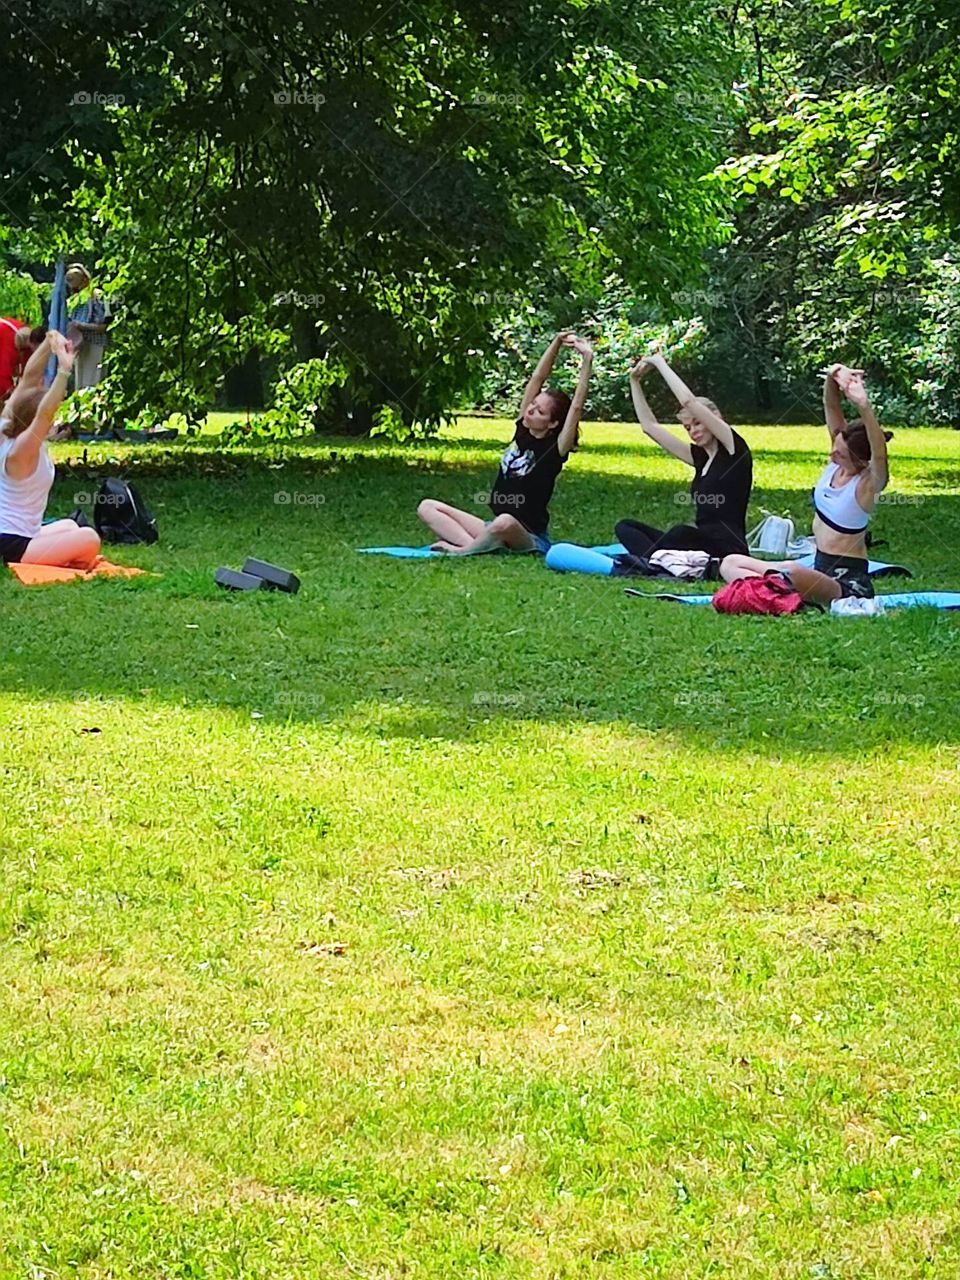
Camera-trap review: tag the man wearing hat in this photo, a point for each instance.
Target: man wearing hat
(88, 321)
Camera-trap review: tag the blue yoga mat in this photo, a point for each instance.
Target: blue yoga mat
(401, 553)
(424, 553)
(896, 600)
(569, 557)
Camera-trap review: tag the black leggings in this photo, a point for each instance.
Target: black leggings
(643, 539)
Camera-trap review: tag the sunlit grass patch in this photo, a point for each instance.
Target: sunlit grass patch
(465, 919)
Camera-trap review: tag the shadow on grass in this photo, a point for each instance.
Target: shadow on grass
(643, 448)
(469, 651)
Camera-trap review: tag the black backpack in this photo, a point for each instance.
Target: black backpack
(119, 514)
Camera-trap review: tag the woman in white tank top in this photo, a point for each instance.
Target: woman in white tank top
(26, 471)
(843, 500)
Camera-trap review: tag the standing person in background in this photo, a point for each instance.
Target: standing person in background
(18, 341)
(88, 321)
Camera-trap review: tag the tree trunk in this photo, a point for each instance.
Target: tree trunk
(243, 384)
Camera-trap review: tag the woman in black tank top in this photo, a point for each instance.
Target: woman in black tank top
(723, 473)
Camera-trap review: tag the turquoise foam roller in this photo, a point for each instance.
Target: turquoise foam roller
(566, 557)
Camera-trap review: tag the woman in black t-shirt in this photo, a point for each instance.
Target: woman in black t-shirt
(723, 473)
(546, 433)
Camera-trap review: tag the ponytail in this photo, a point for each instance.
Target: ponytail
(560, 404)
(858, 442)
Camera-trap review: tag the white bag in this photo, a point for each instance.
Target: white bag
(802, 547)
(770, 538)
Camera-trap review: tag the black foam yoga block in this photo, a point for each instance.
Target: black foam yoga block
(233, 580)
(276, 578)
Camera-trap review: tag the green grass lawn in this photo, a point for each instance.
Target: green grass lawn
(458, 919)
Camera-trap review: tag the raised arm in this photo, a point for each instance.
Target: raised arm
(673, 380)
(25, 451)
(570, 431)
(879, 471)
(722, 430)
(32, 376)
(832, 407)
(665, 439)
(543, 370)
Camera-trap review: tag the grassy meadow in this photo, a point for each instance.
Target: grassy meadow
(460, 919)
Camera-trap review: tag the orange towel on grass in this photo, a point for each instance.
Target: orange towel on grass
(34, 575)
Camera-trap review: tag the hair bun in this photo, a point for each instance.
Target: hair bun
(888, 435)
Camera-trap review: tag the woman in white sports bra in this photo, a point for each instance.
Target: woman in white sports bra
(26, 470)
(843, 500)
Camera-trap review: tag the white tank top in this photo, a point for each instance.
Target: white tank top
(23, 503)
(839, 508)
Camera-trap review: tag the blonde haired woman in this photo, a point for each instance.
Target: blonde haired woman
(722, 466)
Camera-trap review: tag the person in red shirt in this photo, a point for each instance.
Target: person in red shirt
(18, 341)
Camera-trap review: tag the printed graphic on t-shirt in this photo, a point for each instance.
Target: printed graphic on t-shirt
(515, 463)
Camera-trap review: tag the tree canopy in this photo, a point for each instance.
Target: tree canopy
(357, 196)
(367, 184)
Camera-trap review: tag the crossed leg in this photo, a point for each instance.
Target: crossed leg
(63, 543)
(460, 533)
(455, 529)
(503, 531)
(813, 585)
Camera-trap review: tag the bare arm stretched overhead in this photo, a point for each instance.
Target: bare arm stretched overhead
(665, 439)
(569, 432)
(832, 407)
(543, 370)
(32, 376)
(25, 451)
(878, 472)
(696, 404)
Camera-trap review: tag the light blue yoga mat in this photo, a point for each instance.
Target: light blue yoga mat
(570, 557)
(424, 553)
(896, 600)
(401, 553)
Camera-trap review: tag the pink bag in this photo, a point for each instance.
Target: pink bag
(773, 593)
